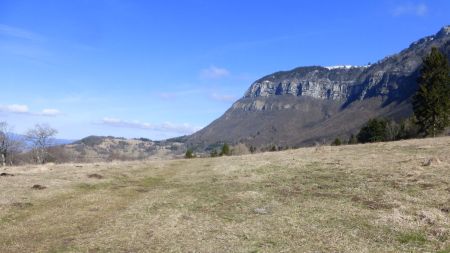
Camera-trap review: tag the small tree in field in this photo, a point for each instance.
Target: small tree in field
(431, 103)
(225, 150)
(189, 154)
(41, 137)
(336, 142)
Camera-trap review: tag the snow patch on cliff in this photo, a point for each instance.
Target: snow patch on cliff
(345, 67)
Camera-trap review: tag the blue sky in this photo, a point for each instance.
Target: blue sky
(160, 69)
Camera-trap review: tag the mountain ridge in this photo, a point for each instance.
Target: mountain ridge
(308, 104)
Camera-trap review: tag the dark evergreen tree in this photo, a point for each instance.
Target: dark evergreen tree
(336, 142)
(431, 103)
(373, 131)
(225, 150)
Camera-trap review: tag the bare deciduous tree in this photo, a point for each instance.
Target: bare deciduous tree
(41, 137)
(9, 144)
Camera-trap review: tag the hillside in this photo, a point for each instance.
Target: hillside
(314, 104)
(109, 148)
(383, 197)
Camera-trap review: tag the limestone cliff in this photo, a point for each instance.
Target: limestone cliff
(309, 104)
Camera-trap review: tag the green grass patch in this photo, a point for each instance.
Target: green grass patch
(151, 181)
(415, 237)
(92, 187)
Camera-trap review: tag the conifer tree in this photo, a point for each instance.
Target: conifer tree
(431, 103)
(225, 150)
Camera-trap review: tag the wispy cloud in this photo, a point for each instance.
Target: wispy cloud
(214, 72)
(164, 127)
(11, 31)
(223, 98)
(24, 109)
(414, 9)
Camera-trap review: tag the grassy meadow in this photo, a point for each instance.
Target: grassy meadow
(383, 197)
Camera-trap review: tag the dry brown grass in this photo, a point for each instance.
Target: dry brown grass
(360, 198)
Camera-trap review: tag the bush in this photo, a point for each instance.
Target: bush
(373, 131)
(225, 150)
(380, 129)
(352, 139)
(240, 149)
(336, 142)
(214, 153)
(408, 129)
(189, 154)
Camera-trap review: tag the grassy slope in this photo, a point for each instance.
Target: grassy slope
(361, 198)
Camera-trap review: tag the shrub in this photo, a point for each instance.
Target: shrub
(240, 149)
(225, 150)
(214, 153)
(336, 142)
(352, 139)
(189, 154)
(408, 129)
(373, 131)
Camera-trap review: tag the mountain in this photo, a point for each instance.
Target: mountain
(108, 148)
(314, 104)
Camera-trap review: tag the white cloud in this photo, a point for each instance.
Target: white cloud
(49, 112)
(224, 98)
(14, 108)
(164, 127)
(419, 9)
(214, 72)
(20, 33)
(24, 109)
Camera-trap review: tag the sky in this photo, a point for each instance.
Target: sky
(160, 69)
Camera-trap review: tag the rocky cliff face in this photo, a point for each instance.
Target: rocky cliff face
(318, 82)
(350, 83)
(307, 104)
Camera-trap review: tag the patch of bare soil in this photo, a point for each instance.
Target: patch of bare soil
(95, 175)
(38, 187)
